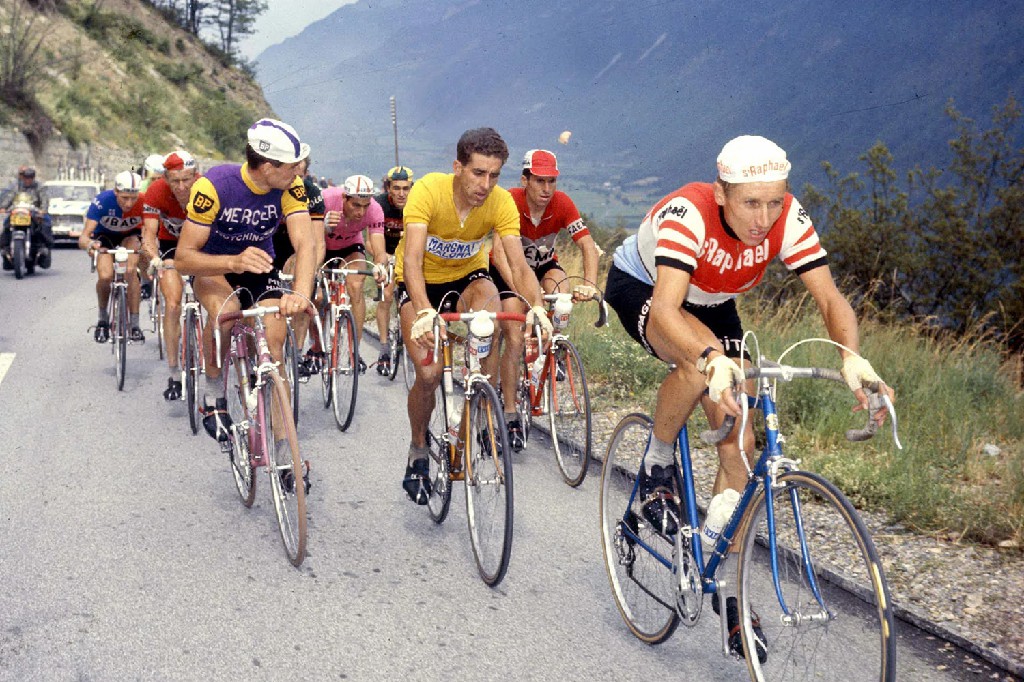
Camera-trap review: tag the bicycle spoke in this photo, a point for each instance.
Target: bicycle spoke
(569, 410)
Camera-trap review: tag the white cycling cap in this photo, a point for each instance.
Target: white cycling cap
(752, 158)
(178, 160)
(277, 141)
(127, 181)
(358, 186)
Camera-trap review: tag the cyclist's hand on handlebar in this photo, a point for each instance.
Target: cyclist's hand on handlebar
(292, 304)
(857, 372)
(154, 265)
(253, 259)
(722, 375)
(539, 316)
(422, 331)
(380, 272)
(583, 292)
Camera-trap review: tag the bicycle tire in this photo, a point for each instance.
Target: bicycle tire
(438, 461)
(852, 620)
(569, 413)
(327, 343)
(236, 393)
(395, 349)
(121, 338)
(284, 463)
(524, 401)
(408, 371)
(291, 368)
(190, 366)
(18, 258)
(345, 361)
(643, 586)
(489, 497)
(158, 320)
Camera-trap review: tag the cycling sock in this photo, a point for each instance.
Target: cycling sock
(133, 320)
(416, 453)
(213, 386)
(509, 416)
(104, 315)
(175, 374)
(659, 453)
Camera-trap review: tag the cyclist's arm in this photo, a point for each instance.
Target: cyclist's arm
(524, 279)
(836, 312)
(190, 260)
(377, 248)
(588, 249)
(150, 245)
(320, 240)
(500, 260)
(85, 239)
(300, 233)
(412, 265)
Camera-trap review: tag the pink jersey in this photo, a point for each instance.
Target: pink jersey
(347, 233)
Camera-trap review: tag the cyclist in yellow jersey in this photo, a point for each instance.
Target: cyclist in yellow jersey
(447, 219)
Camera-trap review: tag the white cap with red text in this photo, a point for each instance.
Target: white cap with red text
(358, 186)
(752, 158)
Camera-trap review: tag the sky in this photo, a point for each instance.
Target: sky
(285, 18)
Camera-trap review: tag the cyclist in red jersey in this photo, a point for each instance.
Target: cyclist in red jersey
(543, 213)
(673, 285)
(164, 213)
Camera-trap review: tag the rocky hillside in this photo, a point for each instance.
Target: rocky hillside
(116, 74)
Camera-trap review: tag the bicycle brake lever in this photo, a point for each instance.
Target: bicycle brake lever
(874, 405)
(892, 415)
(715, 436)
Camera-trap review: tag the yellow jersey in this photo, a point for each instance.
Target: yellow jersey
(454, 248)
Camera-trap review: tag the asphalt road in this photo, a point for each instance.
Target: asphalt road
(125, 552)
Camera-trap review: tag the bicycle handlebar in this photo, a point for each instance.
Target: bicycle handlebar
(876, 400)
(602, 307)
(465, 317)
(345, 272)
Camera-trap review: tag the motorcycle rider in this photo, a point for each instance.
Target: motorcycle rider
(42, 233)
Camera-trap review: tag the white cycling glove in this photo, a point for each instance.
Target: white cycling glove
(539, 315)
(723, 373)
(424, 323)
(857, 371)
(154, 265)
(380, 272)
(584, 292)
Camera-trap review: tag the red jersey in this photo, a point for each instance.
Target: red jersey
(160, 204)
(539, 238)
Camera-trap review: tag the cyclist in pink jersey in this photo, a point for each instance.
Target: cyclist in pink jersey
(349, 210)
(674, 284)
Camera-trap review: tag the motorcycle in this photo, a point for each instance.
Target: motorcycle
(22, 252)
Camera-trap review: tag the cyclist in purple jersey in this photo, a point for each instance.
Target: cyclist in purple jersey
(227, 241)
(350, 209)
(397, 184)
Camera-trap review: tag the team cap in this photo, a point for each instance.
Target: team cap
(399, 173)
(277, 141)
(127, 181)
(358, 186)
(154, 164)
(752, 158)
(541, 162)
(178, 160)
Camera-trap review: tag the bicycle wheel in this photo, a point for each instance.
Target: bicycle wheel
(192, 341)
(395, 348)
(237, 391)
(327, 344)
(637, 558)
(438, 462)
(569, 412)
(290, 359)
(287, 470)
(524, 404)
(121, 337)
(408, 371)
(158, 320)
(488, 484)
(837, 604)
(345, 361)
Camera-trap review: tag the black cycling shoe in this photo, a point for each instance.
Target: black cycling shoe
(135, 334)
(362, 366)
(43, 259)
(659, 506)
(311, 364)
(516, 438)
(732, 620)
(216, 419)
(146, 290)
(384, 363)
(417, 481)
(173, 391)
(102, 332)
(288, 479)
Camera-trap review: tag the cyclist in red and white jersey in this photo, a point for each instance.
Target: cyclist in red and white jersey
(164, 213)
(543, 213)
(674, 283)
(351, 209)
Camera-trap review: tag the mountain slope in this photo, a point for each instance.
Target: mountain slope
(651, 90)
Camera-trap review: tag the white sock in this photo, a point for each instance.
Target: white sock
(659, 452)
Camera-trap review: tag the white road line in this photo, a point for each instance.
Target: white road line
(6, 359)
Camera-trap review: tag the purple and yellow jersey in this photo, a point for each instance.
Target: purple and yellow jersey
(238, 214)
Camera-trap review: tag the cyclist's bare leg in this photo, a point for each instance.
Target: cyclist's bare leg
(732, 473)
(512, 352)
(171, 287)
(421, 395)
(384, 311)
(481, 294)
(277, 329)
(214, 291)
(132, 275)
(354, 287)
(300, 322)
(104, 279)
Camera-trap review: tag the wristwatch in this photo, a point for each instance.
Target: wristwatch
(702, 361)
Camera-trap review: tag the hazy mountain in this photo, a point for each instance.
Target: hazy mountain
(650, 89)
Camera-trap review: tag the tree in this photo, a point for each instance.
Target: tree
(236, 19)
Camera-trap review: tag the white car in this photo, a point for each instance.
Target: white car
(68, 203)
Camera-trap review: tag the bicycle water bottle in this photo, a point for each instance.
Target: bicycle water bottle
(532, 349)
(719, 511)
(563, 308)
(481, 331)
